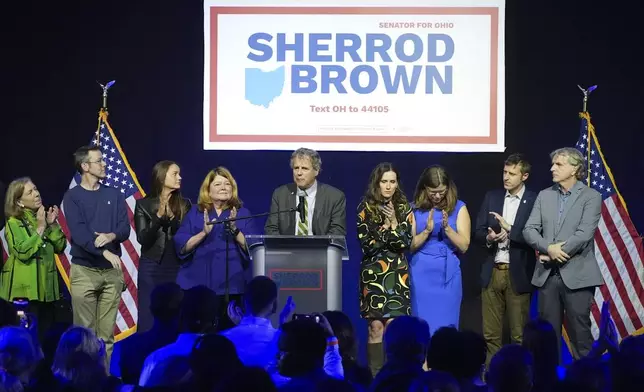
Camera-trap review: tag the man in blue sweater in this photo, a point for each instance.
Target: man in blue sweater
(98, 222)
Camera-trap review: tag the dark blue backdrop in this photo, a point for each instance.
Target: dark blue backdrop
(54, 52)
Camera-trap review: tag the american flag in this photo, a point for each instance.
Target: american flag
(618, 247)
(119, 175)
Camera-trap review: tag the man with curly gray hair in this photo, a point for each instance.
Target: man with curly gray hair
(321, 208)
(561, 227)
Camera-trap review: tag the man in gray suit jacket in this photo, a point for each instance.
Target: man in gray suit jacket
(561, 227)
(321, 208)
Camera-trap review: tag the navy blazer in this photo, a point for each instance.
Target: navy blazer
(522, 256)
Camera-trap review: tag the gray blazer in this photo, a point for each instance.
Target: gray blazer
(329, 214)
(577, 228)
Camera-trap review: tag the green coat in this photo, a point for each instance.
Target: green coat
(30, 270)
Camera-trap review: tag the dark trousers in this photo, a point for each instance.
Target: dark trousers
(152, 274)
(557, 300)
(497, 299)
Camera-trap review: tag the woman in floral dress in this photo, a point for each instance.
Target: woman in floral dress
(384, 231)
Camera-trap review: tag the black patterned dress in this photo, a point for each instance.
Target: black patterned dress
(384, 271)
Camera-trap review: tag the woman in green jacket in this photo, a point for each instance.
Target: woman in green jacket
(33, 237)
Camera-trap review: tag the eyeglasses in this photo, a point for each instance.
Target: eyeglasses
(437, 193)
(100, 162)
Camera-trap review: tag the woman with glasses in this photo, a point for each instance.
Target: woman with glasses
(441, 226)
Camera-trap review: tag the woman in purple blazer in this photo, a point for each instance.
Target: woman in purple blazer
(203, 246)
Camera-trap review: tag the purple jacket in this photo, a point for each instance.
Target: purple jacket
(206, 264)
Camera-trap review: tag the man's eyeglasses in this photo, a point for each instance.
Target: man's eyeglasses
(99, 162)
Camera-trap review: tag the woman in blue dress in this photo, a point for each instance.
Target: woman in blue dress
(441, 228)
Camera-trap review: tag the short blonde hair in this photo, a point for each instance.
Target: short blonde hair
(14, 192)
(205, 203)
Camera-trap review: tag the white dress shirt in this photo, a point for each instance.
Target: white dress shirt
(511, 205)
(310, 202)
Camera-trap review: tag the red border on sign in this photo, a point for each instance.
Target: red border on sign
(494, 51)
(319, 271)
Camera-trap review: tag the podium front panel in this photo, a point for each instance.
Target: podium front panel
(307, 271)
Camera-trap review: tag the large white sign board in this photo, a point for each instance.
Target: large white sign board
(417, 76)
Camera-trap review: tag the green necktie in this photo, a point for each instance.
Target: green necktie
(303, 223)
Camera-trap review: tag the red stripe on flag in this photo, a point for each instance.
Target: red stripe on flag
(627, 261)
(130, 215)
(65, 262)
(626, 219)
(134, 256)
(62, 221)
(125, 313)
(619, 284)
(619, 323)
(130, 283)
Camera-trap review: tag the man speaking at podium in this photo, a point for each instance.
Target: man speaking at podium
(321, 208)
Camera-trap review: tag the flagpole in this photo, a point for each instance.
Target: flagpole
(586, 93)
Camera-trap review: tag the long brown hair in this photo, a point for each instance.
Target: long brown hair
(373, 197)
(14, 192)
(176, 203)
(433, 177)
(205, 203)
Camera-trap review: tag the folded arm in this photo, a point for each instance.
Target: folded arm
(79, 229)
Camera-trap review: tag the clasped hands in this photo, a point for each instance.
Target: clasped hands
(46, 218)
(555, 252)
(391, 222)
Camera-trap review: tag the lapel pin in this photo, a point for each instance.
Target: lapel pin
(524, 201)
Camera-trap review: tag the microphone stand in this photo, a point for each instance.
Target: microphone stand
(237, 218)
